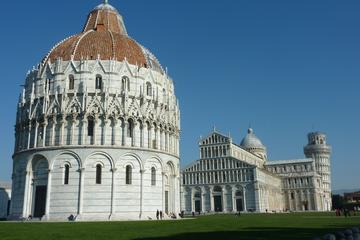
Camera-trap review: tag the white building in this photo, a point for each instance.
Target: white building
(233, 178)
(97, 130)
(5, 199)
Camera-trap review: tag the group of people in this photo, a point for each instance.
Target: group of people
(346, 212)
(159, 214)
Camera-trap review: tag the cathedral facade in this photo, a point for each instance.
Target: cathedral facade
(97, 130)
(239, 178)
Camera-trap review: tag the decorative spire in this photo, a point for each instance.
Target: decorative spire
(106, 1)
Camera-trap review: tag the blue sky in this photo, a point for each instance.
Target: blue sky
(285, 67)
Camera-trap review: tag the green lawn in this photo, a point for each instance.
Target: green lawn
(251, 226)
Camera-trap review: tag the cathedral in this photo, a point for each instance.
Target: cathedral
(230, 177)
(97, 130)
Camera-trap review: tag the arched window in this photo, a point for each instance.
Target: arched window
(90, 127)
(98, 82)
(164, 94)
(71, 82)
(130, 130)
(153, 176)
(128, 174)
(50, 84)
(66, 174)
(148, 89)
(98, 173)
(125, 84)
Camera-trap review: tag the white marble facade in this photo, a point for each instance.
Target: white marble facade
(97, 138)
(237, 178)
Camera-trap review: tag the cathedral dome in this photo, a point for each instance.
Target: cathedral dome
(252, 143)
(251, 140)
(104, 37)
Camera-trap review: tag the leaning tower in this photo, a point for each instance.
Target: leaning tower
(318, 150)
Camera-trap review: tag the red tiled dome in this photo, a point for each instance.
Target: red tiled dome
(104, 37)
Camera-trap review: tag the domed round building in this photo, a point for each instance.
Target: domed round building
(97, 130)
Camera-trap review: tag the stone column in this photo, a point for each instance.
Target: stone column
(170, 143)
(302, 199)
(96, 121)
(141, 192)
(142, 135)
(113, 191)
(310, 207)
(135, 138)
(105, 129)
(84, 124)
(125, 128)
(233, 197)
(174, 191)
(163, 191)
(192, 200)
(244, 197)
(62, 130)
(177, 144)
(114, 132)
(44, 132)
(316, 201)
(224, 198)
(212, 205)
(203, 196)
(81, 190)
(48, 195)
(149, 130)
(53, 132)
(290, 201)
(137, 134)
(157, 137)
(166, 140)
(29, 135)
(36, 134)
(73, 125)
(26, 193)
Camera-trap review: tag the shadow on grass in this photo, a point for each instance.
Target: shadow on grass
(252, 234)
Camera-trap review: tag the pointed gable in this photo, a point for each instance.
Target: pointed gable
(214, 138)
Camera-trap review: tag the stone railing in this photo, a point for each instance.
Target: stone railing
(349, 234)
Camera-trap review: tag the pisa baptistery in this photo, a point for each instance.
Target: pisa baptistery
(97, 130)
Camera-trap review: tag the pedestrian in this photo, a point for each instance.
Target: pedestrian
(157, 214)
(161, 215)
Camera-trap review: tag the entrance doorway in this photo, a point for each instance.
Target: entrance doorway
(239, 201)
(197, 206)
(239, 205)
(218, 203)
(40, 201)
(305, 206)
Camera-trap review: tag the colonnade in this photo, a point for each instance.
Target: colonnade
(206, 195)
(74, 130)
(221, 176)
